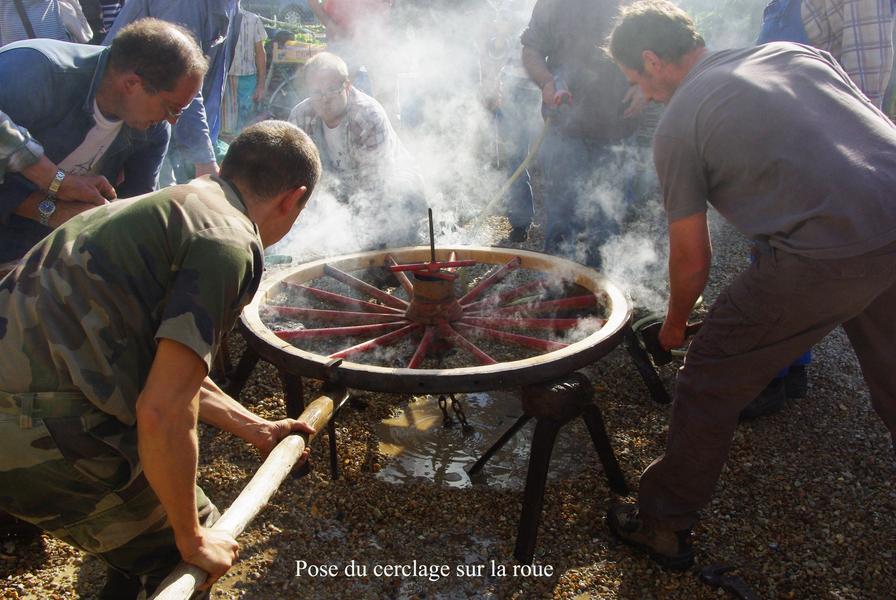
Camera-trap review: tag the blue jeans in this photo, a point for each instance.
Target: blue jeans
(245, 105)
(585, 195)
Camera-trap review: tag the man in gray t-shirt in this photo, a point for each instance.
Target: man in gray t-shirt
(782, 143)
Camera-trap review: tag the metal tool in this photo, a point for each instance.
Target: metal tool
(650, 338)
(717, 576)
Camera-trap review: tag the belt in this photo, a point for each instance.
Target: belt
(44, 405)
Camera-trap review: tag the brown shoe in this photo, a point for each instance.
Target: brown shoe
(670, 549)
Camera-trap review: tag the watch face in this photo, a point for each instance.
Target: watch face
(46, 207)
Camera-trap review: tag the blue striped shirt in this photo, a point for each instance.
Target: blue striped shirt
(44, 17)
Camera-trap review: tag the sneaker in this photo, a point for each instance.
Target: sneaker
(670, 549)
(796, 384)
(518, 235)
(768, 402)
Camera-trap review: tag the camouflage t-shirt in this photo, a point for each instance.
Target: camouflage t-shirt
(85, 309)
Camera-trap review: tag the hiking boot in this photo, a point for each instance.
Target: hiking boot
(768, 402)
(518, 235)
(796, 383)
(670, 549)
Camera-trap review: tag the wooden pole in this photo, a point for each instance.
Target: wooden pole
(185, 578)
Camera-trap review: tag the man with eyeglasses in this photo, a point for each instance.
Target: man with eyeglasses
(365, 164)
(96, 111)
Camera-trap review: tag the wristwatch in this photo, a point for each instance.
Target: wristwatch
(47, 206)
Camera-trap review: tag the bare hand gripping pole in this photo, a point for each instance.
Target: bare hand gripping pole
(185, 578)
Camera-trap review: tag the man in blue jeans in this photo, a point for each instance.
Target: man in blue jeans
(96, 111)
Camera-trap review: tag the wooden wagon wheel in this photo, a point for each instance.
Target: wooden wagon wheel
(484, 313)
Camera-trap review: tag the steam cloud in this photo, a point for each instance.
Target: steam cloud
(441, 119)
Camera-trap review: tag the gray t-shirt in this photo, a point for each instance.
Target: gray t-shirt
(779, 140)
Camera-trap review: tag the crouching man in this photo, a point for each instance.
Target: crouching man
(107, 332)
(743, 131)
(365, 164)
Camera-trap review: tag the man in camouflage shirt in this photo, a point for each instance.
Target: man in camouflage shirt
(107, 333)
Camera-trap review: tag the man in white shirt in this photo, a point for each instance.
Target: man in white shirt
(246, 78)
(365, 164)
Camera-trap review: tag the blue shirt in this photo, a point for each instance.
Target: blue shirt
(196, 131)
(49, 89)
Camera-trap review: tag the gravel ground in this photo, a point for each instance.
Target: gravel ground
(804, 509)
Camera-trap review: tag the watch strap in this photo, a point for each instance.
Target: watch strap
(56, 183)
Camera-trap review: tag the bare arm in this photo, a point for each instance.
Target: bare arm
(690, 255)
(537, 68)
(260, 72)
(93, 189)
(65, 209)
(218, 409)
(167, 411)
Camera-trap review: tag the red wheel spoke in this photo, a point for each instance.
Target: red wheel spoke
(514, 338)
(491, 279)
(339, 317)
(346, 300)
(521, 323)
(458, 340)
(365, 288)
(296, 334)
(402, 278)
(423, 347)
(505, 296)
(584, 301)
(379, 342)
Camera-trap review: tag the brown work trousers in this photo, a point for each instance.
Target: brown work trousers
(767, 317)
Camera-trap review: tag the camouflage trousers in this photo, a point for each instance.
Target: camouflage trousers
(74, 471)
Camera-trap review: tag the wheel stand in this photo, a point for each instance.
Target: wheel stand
(553, 405)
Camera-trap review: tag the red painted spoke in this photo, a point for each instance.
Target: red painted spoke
(513, 338)
(491, 279)
(506, 296)
(379, 342)
(365, 288)
(458, 340)
(523, 323)
(432, 266)
(402, 278)
(297, 334)
(339, 317)
(346, 300)
(423, 347)
(584, 301)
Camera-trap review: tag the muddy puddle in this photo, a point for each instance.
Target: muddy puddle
(415, 443)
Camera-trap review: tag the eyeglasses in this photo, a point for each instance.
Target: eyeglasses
(323, 95)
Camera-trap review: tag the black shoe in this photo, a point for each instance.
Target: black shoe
(796, 383)
(668, 548)
(518, 235)
(768, 402)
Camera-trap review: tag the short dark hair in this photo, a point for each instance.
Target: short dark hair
(158, 51)
(655, 25)
(272, 157)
